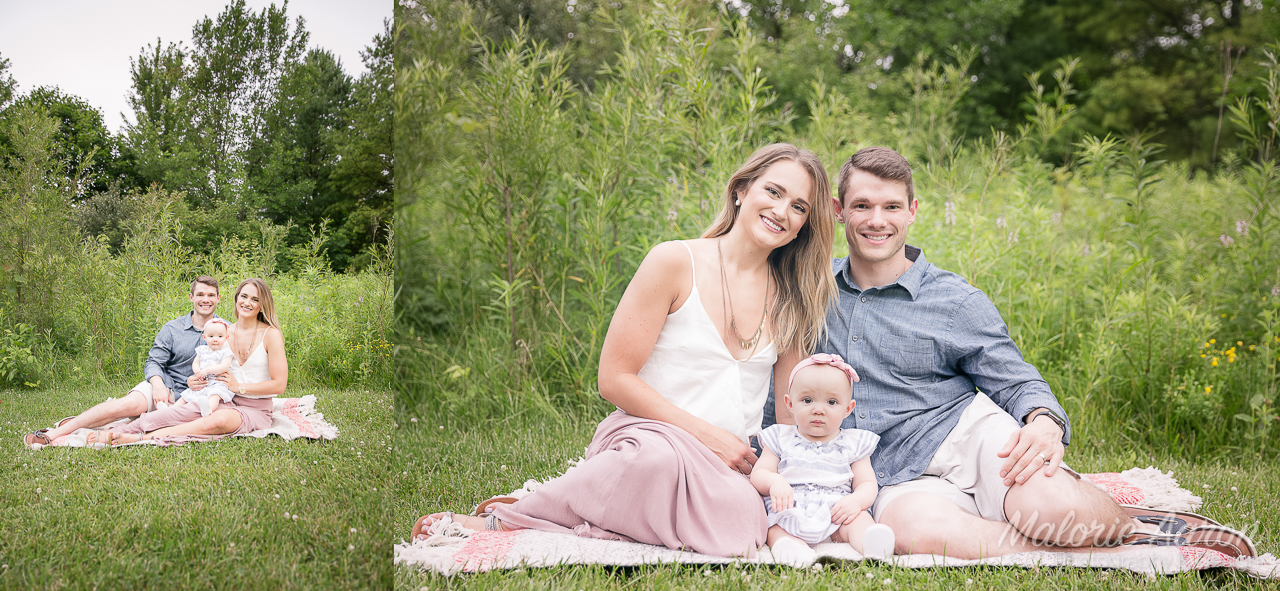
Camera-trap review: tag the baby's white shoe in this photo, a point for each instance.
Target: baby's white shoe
(878, 542)
(793, 552)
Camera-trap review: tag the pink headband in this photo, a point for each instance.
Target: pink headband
(823, 359)
(219, 321)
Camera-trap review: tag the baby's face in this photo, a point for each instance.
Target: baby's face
(215, 334)
(820, 398)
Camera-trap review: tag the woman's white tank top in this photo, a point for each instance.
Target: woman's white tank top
(691, 367)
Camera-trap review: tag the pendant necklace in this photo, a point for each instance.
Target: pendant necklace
(733, 322)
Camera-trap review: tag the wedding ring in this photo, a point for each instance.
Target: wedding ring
(1042, 456)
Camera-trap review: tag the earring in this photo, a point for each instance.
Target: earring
(737, 202)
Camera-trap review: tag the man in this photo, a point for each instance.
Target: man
(168, 368)
(971, 435)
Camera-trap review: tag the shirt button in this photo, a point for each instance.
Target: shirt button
(862, 415)
(864, 299)
(855, 339)
(880, 474)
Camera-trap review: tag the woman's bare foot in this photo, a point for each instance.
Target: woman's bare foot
(471, 522)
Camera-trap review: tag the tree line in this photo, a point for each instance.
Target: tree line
(246, 127)
(1174, 68)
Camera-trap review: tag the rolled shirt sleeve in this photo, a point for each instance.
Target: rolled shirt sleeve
(985, 352)
(161, 356)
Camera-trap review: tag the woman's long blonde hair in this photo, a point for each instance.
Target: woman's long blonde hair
(802, 268)
(266, 306)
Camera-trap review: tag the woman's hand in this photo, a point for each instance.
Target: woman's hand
(196, 383)
(781, 495)
(230, 380)
(735, 454)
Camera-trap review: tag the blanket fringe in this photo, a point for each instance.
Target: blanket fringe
(307, 406)
(1161, 490)
(1266, 566)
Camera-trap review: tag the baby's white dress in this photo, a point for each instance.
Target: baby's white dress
(820, 474)
(209, 358)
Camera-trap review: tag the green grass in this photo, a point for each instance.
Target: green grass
(200, 516)
(458, 466)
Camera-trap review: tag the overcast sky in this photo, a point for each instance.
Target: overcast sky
(83, 46)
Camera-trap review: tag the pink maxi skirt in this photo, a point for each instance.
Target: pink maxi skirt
(651, 482)
(255, 413)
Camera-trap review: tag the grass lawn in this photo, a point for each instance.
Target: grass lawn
(453, 468)
(217, 515)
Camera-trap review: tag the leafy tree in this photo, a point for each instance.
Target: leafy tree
(365, 147)
(7, 83)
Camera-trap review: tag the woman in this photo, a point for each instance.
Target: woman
(670, 466)
(260, 373)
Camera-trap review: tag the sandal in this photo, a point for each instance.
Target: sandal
(1170, 522)
(485, 508)
(64, 420)
(37, 437)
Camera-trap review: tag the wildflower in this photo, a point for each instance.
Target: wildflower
(1084, 251)
(1214, 362)
(1208, 389)
(1000, 223)
(351, 547)
(1275, 290)
(950, 208)
(1226, 241)
(1212, 341)
(1013, 237)
(671, 215)
(1239, 344)
(1242, 227)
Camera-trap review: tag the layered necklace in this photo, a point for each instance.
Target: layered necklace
(243, 353)
(725, 295)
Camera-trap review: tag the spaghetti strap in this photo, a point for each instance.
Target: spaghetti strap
(692, 264)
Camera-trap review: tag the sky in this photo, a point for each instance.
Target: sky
(84, 46)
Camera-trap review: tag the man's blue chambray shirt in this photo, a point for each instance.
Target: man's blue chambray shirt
(923, 346)
(171, 355)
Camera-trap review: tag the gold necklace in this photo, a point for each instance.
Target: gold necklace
(253, 333)
(733, 322)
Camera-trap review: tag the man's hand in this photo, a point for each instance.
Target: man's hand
(781, 495)
(735, 454)
(1038, 444)
(159, 391)
(196, 383)
(846, 510)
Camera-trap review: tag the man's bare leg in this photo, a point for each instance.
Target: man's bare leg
(925, 523)
(130, 405)
(1063, 510)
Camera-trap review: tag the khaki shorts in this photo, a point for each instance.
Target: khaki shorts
(145, 390)
(965, 470)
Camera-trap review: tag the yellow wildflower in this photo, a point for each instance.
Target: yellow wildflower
(1208, 389)
(1214, 362)
(1212, 341)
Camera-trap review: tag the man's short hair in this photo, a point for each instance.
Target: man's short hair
(207, 280)
(882, 162)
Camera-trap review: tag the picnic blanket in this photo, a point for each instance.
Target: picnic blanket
(291, 418)
(459, 551)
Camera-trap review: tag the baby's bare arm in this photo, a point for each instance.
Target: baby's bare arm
(222, 367)
(864, 493)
